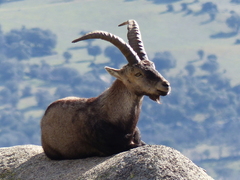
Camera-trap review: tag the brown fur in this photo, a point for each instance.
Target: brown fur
(79, 127)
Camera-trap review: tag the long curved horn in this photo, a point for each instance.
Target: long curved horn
(135, 39)
(126, 50)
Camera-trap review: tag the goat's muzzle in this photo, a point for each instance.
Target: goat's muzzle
(165, 90)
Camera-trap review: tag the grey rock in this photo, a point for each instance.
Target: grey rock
(155, 162)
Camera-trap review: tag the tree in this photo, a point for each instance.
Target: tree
(10, 70)
(12, 85)
(206, 153)
(63, 91)
(89, 41)
(237, 41)
(115, 56)
(233, 21)
(42, 71)
(164, 61)
(43, 98)
(67, 56)
(208, 8)
(94, 51)
(25, 43)
(45, 71)
(235, 1)
(184, 6)
(200, 54)
(236, 89)
(170, 8)
(5, 95)
(34, 71)
(163, 1)
(18, 50)
(2, 42)
(26, 91)
(190, 69)
(8, 1)
(42, 42)
(64, 74)
(217, 81)
(211, 65)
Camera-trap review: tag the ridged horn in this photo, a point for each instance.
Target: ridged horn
(126, 50)
(135, 39)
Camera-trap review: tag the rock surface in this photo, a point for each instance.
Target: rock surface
(28, 162)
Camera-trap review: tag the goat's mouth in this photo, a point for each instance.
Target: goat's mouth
(156, 97)
(162, 93)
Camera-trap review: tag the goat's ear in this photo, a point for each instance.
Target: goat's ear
(114, 72)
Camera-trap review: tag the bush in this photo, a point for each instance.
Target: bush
(26, 43)
(64, 75)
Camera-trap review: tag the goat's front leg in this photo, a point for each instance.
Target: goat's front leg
(136, 141)
(137, 137)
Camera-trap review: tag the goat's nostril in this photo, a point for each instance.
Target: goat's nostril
(165, 84)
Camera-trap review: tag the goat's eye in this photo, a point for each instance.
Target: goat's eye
(138, 74)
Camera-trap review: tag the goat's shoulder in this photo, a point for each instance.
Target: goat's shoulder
(69, 103)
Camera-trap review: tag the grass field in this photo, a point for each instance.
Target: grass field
(181, 35)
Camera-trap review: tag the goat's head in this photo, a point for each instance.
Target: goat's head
(139, 75)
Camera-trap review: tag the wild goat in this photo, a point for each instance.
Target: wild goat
(75, 127)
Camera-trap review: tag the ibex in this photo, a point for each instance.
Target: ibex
(75, 127)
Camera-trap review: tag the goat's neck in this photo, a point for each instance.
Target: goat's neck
(122, 105)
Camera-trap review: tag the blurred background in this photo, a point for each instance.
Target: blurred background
(195, 44)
